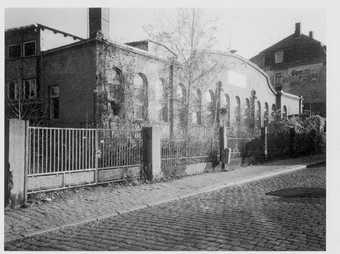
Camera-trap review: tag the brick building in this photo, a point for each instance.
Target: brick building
(297, 64)
(79, 82)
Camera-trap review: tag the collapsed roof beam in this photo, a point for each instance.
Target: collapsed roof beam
(42, 27)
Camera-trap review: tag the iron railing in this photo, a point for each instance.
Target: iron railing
(53, 150)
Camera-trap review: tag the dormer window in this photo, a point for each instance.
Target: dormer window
(279, 56)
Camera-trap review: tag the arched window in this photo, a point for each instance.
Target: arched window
(227, 109)
(181, 98)
(252, 110)
(140, 100)
(198, 107)
(258, 115)
(273, 114)
(247, 113)
(266, 114)
(238, 110)
(164, 101)
(114, 90)
(181, 93)
(284, 112)
(117, 77)
(115, 81)
(210, 99)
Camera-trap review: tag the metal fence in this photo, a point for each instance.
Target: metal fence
(52, 150)
(200, 145)
(123, 149)
(55, 151)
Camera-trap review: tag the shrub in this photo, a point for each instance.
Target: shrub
(306, 139)
(296, 136)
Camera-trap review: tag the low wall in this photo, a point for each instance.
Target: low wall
(78, 178)
(198, 168)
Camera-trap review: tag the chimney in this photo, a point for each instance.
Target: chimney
(297, 29)
(311, 34)
(99, 21)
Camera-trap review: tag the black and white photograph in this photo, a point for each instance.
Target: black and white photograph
(176, 128)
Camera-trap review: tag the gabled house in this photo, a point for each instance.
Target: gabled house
(297, 64)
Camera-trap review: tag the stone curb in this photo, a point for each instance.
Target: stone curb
(167, 200)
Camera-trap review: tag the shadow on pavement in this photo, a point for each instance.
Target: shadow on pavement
(299, 192)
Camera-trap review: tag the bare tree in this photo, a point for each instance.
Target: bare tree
(190, 35)
(21, 108)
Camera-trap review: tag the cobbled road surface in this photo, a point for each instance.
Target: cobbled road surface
(234, 218)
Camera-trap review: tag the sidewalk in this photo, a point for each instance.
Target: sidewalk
(87, 204)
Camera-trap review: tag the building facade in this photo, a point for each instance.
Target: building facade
(96, 82)
(297, 64)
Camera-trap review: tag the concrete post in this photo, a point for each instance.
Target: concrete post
(224, 158)
(292, 141)
(17, 150)
(264, 138)
(151, 153)
(6, 161)
(300, 105)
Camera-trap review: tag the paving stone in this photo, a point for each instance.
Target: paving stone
(238, 217)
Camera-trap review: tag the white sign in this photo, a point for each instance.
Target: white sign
(237, 79)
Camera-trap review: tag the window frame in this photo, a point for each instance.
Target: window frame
(11, 45)
(278, 55)
(35, 48)
(29, 97)
(16, 90)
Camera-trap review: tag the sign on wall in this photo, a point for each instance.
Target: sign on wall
(237, 79)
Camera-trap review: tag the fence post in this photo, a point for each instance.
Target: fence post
(17, 159)
(151, 168)
(264, 138)
(292, 141)
(96, 156)
(224, 158)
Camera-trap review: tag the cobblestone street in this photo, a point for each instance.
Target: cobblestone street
(240, 217)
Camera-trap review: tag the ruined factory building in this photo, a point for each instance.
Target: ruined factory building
(76, 82)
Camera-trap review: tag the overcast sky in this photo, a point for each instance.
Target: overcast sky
(247, 30)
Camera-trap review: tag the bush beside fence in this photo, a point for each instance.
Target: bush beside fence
(288, 138)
